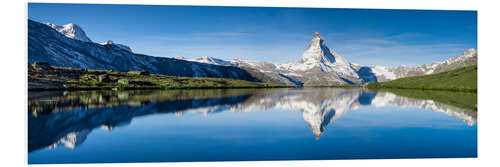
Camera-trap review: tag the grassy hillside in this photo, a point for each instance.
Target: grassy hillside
(70, 78)
(462, 79)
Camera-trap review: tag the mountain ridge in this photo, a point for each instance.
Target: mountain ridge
(46, 44)
(318, 66)
(461, 79)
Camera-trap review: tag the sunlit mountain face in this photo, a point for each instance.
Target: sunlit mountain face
(67, 118)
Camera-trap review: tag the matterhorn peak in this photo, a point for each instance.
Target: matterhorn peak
(71, 30)
(318, 53)
(316, 35)
(318, 57)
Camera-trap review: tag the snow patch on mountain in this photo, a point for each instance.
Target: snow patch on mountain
(383, 71)
(211, 60)
(121, 46)
(71, 30)
(67, 48)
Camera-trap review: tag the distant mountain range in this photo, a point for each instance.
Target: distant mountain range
(68, 46)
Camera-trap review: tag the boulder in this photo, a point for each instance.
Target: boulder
(123, 81)
(138, 72)
(42, 66)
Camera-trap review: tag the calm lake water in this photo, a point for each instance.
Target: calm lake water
(243, 125)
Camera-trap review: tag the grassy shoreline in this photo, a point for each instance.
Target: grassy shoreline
(150, 88)
(42, 78)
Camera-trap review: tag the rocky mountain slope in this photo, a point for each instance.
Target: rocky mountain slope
(68, 46)
(380, 73)
(263, 71)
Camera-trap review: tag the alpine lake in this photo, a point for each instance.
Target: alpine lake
(105, 126)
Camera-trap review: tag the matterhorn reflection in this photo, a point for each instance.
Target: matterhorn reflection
(319, 107)
(66, 118)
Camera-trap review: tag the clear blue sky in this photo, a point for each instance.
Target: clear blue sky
(368, 37)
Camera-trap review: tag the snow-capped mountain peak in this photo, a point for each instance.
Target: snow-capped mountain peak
(469, 53)
(318, 55)
(318, 52)
(71, 30)
(317, 61)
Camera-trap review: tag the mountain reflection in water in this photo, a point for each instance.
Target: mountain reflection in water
(66, 118)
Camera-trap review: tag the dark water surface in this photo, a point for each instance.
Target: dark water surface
(243, 124)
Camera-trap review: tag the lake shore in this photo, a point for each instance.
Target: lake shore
(45, 77)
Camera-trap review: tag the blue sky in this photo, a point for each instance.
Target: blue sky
(363, 36)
